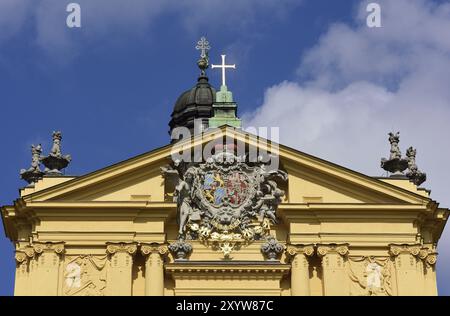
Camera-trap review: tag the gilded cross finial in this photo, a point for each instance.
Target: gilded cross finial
(224, 67)
(203, 46)
(203, 63)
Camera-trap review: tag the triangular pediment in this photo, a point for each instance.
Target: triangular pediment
(311, 179)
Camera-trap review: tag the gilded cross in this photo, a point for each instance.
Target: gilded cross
(203, 46)
(224, 67)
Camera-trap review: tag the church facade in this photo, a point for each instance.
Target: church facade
(220, 211)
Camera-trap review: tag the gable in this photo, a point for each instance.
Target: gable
(311, 180)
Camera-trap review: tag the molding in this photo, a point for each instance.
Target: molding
(223, 270)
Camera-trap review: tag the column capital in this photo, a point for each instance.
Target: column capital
(161, 249)
(115, 247)
(47, 247)
(428, 255)
(293, 250)
(324, 249)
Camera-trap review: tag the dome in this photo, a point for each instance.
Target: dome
(193, 104)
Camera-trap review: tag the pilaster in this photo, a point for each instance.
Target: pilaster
(44, 268)
(430, 273)
(154, 268)
(334, 257)
(300, 269)
(119, 278)
(21, 286)
(414, 265)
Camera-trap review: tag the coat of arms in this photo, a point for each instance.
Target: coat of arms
(226, 200)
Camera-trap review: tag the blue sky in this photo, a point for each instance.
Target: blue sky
(312, 67)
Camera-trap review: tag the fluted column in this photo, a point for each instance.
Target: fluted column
(119, 279)
(300, 269)
(154, 268)
(45, 268)
(335, 278)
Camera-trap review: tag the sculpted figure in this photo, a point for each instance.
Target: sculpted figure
(56, 148)
(395, 149)
(411, 154)
(56, 161)
(183, 196)
(36, 152)
(414, 174)
(33, 173)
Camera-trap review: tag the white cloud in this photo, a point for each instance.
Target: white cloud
(367, 82)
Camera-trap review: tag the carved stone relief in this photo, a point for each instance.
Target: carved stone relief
(370, 276)
(225, 201)
(85, 275)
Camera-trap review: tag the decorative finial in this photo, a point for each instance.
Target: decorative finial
(224, 66)
(414, 174)
(203, 46)
(272, 249)
(395, 164)
(55, 161)
(33, 173)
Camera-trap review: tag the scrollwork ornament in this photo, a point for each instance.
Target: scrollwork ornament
(395, 250)
(29, 251)
(431, 259)
(414, 250)
(163, 250)
(111, 249)
(322, 250)
(308, 251)
(131, 249)
(423, 253)
(292, 251)
(38, 248)
(59, 249)
(342, 250)
(21, 257)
